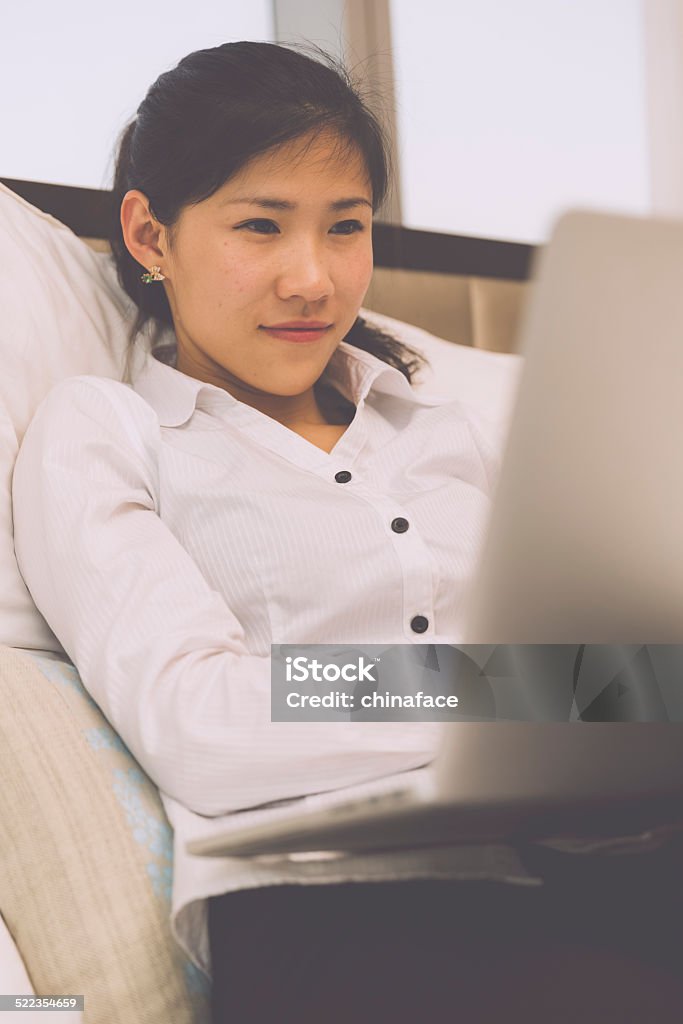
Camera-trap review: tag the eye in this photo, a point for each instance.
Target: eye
(260, 227)
(347, 227)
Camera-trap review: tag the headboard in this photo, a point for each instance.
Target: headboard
(468, 290)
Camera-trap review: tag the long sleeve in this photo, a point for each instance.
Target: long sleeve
(156, 646)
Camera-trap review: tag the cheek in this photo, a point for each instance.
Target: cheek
(237, 283)
(357, 273)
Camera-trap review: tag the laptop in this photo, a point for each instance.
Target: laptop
(583, 548)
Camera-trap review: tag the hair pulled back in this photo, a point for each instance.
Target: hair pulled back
(205, 119)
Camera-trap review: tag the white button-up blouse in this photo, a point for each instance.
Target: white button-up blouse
(169, 534)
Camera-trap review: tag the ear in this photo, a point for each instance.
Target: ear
(144, 236)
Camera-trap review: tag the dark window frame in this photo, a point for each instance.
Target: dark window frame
(87, 212)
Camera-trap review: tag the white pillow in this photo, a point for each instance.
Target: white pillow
(64, 314)
(486, 380)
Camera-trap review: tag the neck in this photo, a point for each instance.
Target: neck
(290, 410)
(319, 405)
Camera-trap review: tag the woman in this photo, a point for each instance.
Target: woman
(270, 476)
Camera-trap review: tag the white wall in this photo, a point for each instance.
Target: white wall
(73, 72)
(509, 112)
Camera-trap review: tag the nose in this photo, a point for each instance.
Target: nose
(305, 274)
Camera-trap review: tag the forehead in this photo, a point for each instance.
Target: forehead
(312, 166)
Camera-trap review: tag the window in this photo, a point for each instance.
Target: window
(73, 72)
(509, 113)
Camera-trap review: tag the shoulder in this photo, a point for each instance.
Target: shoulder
(483, 418)
(453, 419)
(90, 388)
(94, 396)
(87, 407)
(439, 406)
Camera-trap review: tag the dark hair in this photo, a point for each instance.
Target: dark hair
(205, 119)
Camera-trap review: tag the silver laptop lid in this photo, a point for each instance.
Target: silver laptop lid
(585, 540)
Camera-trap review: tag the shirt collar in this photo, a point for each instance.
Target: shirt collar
(174, 395)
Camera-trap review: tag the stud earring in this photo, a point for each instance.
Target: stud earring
(153, 275)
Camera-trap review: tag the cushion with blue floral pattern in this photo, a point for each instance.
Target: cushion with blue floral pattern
(86, 856)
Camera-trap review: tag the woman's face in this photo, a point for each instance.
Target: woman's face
(286, 243)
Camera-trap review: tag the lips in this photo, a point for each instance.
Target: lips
(298, 330)
(293, 325)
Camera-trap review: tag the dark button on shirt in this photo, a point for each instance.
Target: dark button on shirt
(419, 624)
(343, 476)
(400, 525)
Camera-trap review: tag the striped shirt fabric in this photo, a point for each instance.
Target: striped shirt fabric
(169, 533)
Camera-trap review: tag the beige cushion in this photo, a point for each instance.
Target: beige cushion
(438, 303)
(484, 313)
(86, 865)
(497, 313)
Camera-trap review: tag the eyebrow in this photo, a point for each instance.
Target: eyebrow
(283, 204)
